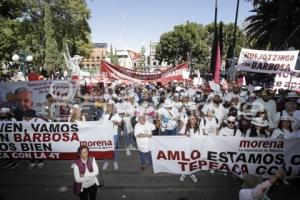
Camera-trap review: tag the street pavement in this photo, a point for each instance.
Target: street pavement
(54, 182)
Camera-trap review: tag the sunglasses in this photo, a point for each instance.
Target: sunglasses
(230, 122)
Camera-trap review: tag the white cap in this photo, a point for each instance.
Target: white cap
(5, 110)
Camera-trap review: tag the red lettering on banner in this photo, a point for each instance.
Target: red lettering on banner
(182, 165)
(183, 156)
(46, 137)
(161, 155)
(173, 155)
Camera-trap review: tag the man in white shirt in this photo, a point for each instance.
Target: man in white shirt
(143, 132)
(230, 129)
(170, 117)
(217, 106)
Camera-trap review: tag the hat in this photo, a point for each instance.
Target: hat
(29, 113)
(111, 102)
(5, 110)
(259, 121)
(256, 88)
(168, 104)
(210, 110)
(292, 95)
(286, 118)
(192, 106)
(76, 106)
(230, 119)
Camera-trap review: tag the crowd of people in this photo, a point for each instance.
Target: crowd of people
(140, 111)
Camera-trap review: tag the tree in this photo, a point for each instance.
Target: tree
(22, 27)
(275, 24)
(142, 57)
(184, 43)
(52, 57)
(113, 56)
(192, 42)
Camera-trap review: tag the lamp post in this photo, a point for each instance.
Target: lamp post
(24, 59)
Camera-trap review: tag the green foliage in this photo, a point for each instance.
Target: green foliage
(275, 24)
(192, 42)
(52, 57)
(22, 27)
(113, 56)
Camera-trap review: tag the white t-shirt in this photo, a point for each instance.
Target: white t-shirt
(143, 142)
(219, 111)
(278, 133)
(191, 132)
(115, 119)
(210, 127)
(225, 131)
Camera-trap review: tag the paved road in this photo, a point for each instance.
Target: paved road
(54, 182)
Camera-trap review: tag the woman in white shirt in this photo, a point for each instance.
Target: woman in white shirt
(209, 124)
(85, 171)
(284, 128)
(190, 129)
(76, 114)
(110, 114)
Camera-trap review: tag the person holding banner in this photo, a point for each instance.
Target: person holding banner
(143, 132)
(231, 128)
(284, 129)
(76, 114)
(190, 129)
(258, 128)
(110, 114)
(209, 124)
(30, 116)
(85, 171)
(5, 115)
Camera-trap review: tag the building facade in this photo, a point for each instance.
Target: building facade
(92, 63)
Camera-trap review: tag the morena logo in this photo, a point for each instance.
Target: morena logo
(261, 144)
(99, 143)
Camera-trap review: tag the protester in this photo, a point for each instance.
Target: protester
(76, 114)
(190, 129)
(258, 128)
(110, 114)
(85, 171)
(6, 116)
(169, 116)
(284, 129)
(143, 131)
(209, 125)
(30, 116)
(231, 128)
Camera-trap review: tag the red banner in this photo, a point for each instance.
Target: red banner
(113, 72)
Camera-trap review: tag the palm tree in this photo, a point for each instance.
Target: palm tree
(274, 25)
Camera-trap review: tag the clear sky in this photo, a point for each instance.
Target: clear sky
(130, 24)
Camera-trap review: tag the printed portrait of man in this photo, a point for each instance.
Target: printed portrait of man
(23, 97)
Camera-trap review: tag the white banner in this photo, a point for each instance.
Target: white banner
(286, 81)
(32, 94)
(50, 140)
(240, 156)
(267, 61)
